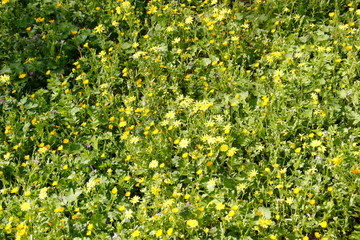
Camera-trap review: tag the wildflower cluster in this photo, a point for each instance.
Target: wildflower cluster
(179, 119)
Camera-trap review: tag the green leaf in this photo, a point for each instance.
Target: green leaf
(321, 36)
(74, 110)
(72, 196)
(5, 69)
(99, 219)
(16, 67)
(342, 94)
(265, 212)
(80, 39)
(126, 45)
(205, 61)
(244, 95)
(229, 183)
(75, 147)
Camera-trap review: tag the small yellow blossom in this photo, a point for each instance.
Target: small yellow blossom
(315, 143)
(90, 226)
(224, 148)
(296, 190)
(323, 224)
(170, 231)
(159, 233)
(136, 233)
(264, 222)
(4, 79)
(192, 223)
(22, 75)
(114, 190)
(25, 206)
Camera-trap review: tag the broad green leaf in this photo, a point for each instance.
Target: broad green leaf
(205, 61)
(72, 195)
(265, 212)
(126, 45)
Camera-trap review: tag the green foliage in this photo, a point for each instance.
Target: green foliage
(179, 119)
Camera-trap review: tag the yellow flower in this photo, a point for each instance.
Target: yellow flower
(59, 210)
(25, 206)
(266, 101)
(192, 223)
(315, 143)
(189, 20)
(136, 233)
(224, 148)
(22, 75)
(219, 206)
(158, 233)
(114, 190)
(15, 190)
(183, 143)
(99, 29)
(323, 224)
(253, 173)
(264, 222)
(5, 79)
(90, 226)
(231, 152)
(170, 231)
(235, 207)
(296, 190)
(154, 164)
(231, 213)
(336, 160)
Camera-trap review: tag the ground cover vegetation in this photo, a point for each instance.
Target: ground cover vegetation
(178, 119)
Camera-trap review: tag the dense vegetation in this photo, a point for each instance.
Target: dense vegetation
(178, 119)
